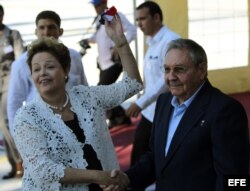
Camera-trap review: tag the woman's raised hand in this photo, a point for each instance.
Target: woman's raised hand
(115, 31)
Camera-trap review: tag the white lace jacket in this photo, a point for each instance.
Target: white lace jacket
(48, 146)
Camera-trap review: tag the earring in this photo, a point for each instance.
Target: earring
(66, 77)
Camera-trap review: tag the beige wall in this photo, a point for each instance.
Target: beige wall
(175, 15)
(229, 80)
(233, 80)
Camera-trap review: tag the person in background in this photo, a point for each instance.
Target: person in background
(108, 59)
(149, 19)
(11, 47)
(21, 86)
(62, 134)
(199, 135)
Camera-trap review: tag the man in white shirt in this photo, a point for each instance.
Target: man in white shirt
(21, 87)
(108, 59)
(149, 19)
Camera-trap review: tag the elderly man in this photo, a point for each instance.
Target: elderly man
(199, 133)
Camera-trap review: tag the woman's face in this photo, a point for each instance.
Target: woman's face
(47, 74)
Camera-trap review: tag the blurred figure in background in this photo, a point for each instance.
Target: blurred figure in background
(149, 19)
(108, 60)
(11, 47)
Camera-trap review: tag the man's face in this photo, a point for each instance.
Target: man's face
(99, 9)
(146, 22)
(183, 78)
(48, 28)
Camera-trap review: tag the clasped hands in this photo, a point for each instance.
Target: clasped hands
(133, 110)
(115, 180)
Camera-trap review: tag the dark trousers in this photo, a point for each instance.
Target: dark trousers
(10, 156)
(107, 77)
(11, 150)
(141, 140)
(110, 75)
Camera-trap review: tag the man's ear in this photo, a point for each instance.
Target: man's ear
(203, 70)
(61, 32)
(157, 17)
(36, 31)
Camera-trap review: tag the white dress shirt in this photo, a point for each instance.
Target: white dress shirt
(22, 89)
(105, 44)
(154, 82)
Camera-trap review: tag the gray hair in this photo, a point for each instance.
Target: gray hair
(196, 52)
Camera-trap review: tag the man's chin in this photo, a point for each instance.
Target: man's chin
(174, 91)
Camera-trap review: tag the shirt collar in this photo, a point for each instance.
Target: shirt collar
(157, 37)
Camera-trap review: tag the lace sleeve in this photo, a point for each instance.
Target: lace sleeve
(43, 173)
(116, 93)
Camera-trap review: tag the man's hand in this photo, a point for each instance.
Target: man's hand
(133, 110)
(121, 181)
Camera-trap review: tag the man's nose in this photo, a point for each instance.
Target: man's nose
(171, 75)
(46, 32)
